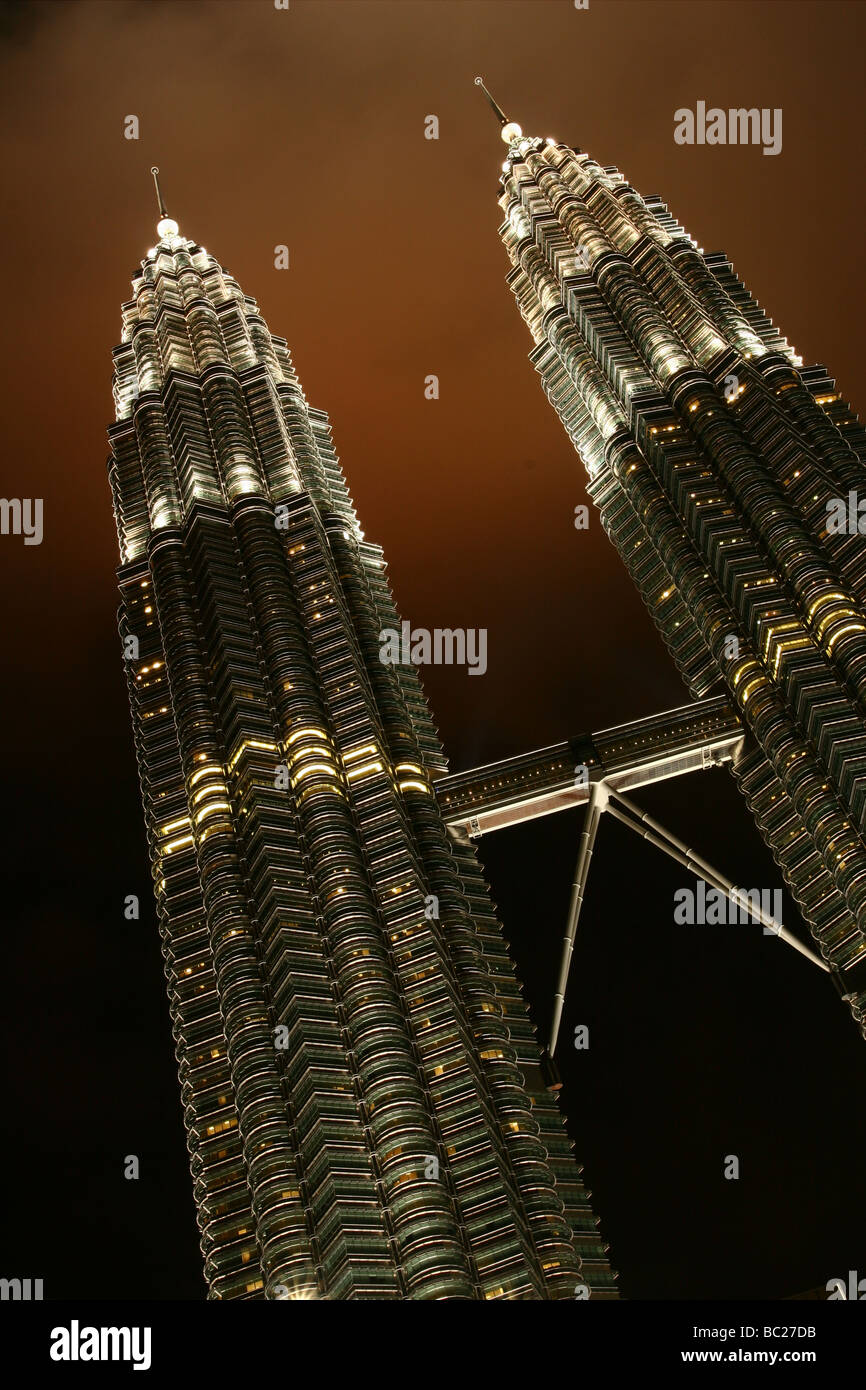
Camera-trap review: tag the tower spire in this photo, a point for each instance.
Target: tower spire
(496, 109)
(159, 198)
(510, 131)
(166, 226)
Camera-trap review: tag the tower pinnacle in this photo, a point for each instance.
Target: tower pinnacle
(510, 129)
(166, 226)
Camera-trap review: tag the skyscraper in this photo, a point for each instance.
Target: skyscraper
(364, 1100)
(727, 476)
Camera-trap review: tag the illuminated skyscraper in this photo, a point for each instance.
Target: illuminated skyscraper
(719, 467)
(365, 1106)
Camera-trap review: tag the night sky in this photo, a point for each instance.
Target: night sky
(306, 128)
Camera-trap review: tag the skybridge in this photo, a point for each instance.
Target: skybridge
(706, 733)
(596, 771)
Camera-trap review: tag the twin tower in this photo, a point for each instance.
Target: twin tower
(365, 1101)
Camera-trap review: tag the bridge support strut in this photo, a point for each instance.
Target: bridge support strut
(603, 798)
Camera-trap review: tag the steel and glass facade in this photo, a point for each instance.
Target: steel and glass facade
(365, 1108)
(714, 459)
